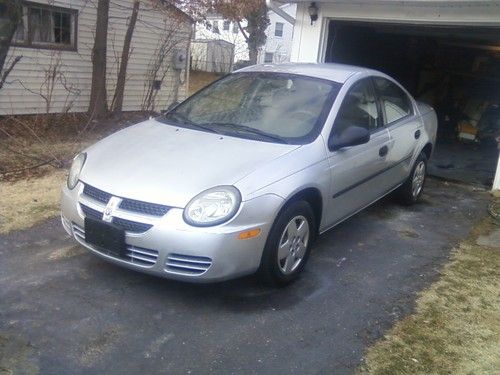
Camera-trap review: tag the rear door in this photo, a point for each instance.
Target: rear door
(405, 128)
(358, 172)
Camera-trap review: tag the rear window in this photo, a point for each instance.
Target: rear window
(395, 103)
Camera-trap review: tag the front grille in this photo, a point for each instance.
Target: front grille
(134, 254)
(153, 209)
(131, 226)
(96, 194)
(132, 205)
(91, 213)
(187, 264)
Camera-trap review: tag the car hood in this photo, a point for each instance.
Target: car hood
(160, 163)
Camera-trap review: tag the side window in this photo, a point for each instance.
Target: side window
(395, 103)
(278, 29)
(358, 108)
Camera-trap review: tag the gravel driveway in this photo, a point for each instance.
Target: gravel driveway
(63, 310)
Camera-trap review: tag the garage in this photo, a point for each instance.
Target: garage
(455, 69)
(445, 52)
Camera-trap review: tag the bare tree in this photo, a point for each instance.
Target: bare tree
(98, 100)
(117, 104)
(160, 66)
(254, 12)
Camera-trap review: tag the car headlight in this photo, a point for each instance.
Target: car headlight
(76, 168)
(213, 206)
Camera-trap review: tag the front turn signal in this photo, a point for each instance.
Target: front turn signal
(246, 235)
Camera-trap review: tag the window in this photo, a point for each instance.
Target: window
(268, 57)
(395, 103)
(359, 108)
(4, 21)
(45, 26)
(278, 29)
(215, 25)
(225, 25)
(5, 25)
(235, 28)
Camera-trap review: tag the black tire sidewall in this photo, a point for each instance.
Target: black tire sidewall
(269, 265)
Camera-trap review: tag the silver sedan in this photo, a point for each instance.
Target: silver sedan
(243, 175)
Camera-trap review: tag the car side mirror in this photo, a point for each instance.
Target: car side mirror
(352, 136)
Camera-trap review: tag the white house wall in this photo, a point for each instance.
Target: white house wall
(27, 81)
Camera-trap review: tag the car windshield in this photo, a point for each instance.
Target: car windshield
(274, 107)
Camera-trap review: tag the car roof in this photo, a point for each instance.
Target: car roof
(330, 71)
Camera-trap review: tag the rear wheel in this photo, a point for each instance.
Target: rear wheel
(412, 189)
(288, 245)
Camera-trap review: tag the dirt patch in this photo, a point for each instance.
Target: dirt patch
(66, 252)
(98, 346)
(27, 202)
(408, 233)
(456, 326)
(16, 356)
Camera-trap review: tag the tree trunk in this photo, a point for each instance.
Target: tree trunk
(252, 55)
(117, 104)
(98, 103)
(257, 23)
(15, 12)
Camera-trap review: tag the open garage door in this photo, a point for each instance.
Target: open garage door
(454, 69)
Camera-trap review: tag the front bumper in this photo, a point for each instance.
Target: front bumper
(173, 249)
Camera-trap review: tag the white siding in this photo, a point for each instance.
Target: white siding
(27, 80)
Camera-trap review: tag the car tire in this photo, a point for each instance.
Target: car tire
(288, 245)
(412, 189)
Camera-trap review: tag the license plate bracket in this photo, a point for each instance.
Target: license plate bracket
(105, 236)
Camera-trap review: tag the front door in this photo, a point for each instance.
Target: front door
(357, 172)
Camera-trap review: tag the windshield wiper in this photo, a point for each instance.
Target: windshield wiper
(184, 121)
(248, 129)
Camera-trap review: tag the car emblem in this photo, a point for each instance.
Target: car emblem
(110, 209)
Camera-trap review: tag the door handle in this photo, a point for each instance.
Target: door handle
(383, 151)
(417, 134)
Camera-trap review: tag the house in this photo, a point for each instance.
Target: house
(279, 34)
(215, 27)
(56, 39)
(446, 53)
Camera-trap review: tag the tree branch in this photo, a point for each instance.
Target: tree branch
(245, 35)
(9, 69)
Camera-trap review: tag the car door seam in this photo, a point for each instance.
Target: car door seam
(361, 182)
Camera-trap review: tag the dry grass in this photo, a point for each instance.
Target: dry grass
(456, 326)
(26, 142)
(28, 202)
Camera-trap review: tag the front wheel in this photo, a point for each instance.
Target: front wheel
(412, 189)
(288, 245)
